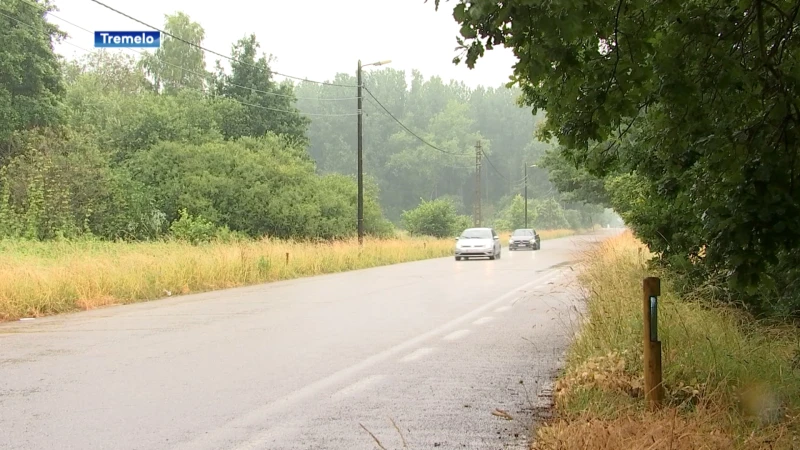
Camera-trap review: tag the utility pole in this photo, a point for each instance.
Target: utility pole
(360, 148)
(477, 208)
(360, 163)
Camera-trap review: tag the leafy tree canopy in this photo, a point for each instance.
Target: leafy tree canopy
(31, 88)
(696, 100)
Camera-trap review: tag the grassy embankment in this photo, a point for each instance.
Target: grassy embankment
(730, 382)
(38, 279)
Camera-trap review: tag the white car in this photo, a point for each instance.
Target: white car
(478, 243)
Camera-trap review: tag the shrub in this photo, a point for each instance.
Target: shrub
(192, 229)
(437, 218)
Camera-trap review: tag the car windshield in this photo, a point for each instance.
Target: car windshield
(476, 233)
(522, 233)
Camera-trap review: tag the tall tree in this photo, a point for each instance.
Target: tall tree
(270, 105)
(576, 183)
(696, 99)
(31, 87)
(177, 65)
(332, 139)
(109, 72)
(448, 115)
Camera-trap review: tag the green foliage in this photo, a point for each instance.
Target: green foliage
(436, 218)
(545, 214)
(62, 185)
(143, 148)
(30, 84)
(269, 105)
(132, 158)
(257, 186)
(691, 105)
(513, 216)
(550, 215)
(450, 116)
(574, 181)
(175, 65)
(127, 118)
(192, 229)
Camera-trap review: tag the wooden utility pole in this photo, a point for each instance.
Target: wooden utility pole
(360, 151)
(653, 387)
(477, 203)
(360, 222)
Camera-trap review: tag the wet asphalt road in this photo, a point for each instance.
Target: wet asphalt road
(433, 347)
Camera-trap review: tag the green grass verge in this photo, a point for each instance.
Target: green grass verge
(730, 382)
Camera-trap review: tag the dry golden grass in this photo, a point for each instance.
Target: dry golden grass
(730, 382)
(38, 279)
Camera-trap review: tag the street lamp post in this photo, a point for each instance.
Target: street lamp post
(360, 160)
(526, 193)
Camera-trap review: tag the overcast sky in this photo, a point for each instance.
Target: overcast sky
(313, 39)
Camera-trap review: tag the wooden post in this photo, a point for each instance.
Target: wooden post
(653, 387)
(287, 258)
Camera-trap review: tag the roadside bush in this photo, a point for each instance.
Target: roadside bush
(63, 186)
(257, 186)
(192, 229)
(730, 381)
(513, 215)
(437, 218)
(550, 215)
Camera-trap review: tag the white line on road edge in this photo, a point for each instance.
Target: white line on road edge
(456, 335)
(359, 385)
(502, 308)
(281, 432)
(483, 320)
(222, 436)
(417, 354)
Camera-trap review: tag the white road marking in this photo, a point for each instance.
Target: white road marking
(219, 437)
(359, 385)
(483, 320)
(456, 335)
(502, 308)
(279, 433)
(416, 354)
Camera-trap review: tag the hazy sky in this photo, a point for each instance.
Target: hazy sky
(314, 39)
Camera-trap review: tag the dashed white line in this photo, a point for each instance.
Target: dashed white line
(502, 308)
(282, 432)
(357, 386)
(483, 320)
(417, 354)
(220, 436)
(456, 335)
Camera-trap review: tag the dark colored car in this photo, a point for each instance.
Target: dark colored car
(524, 238)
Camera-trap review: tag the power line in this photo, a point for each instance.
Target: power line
(493, 168)
(236, 100)
(250, 88)
(371, 102)
(407, 129)
(212, 51)
(194, 72)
